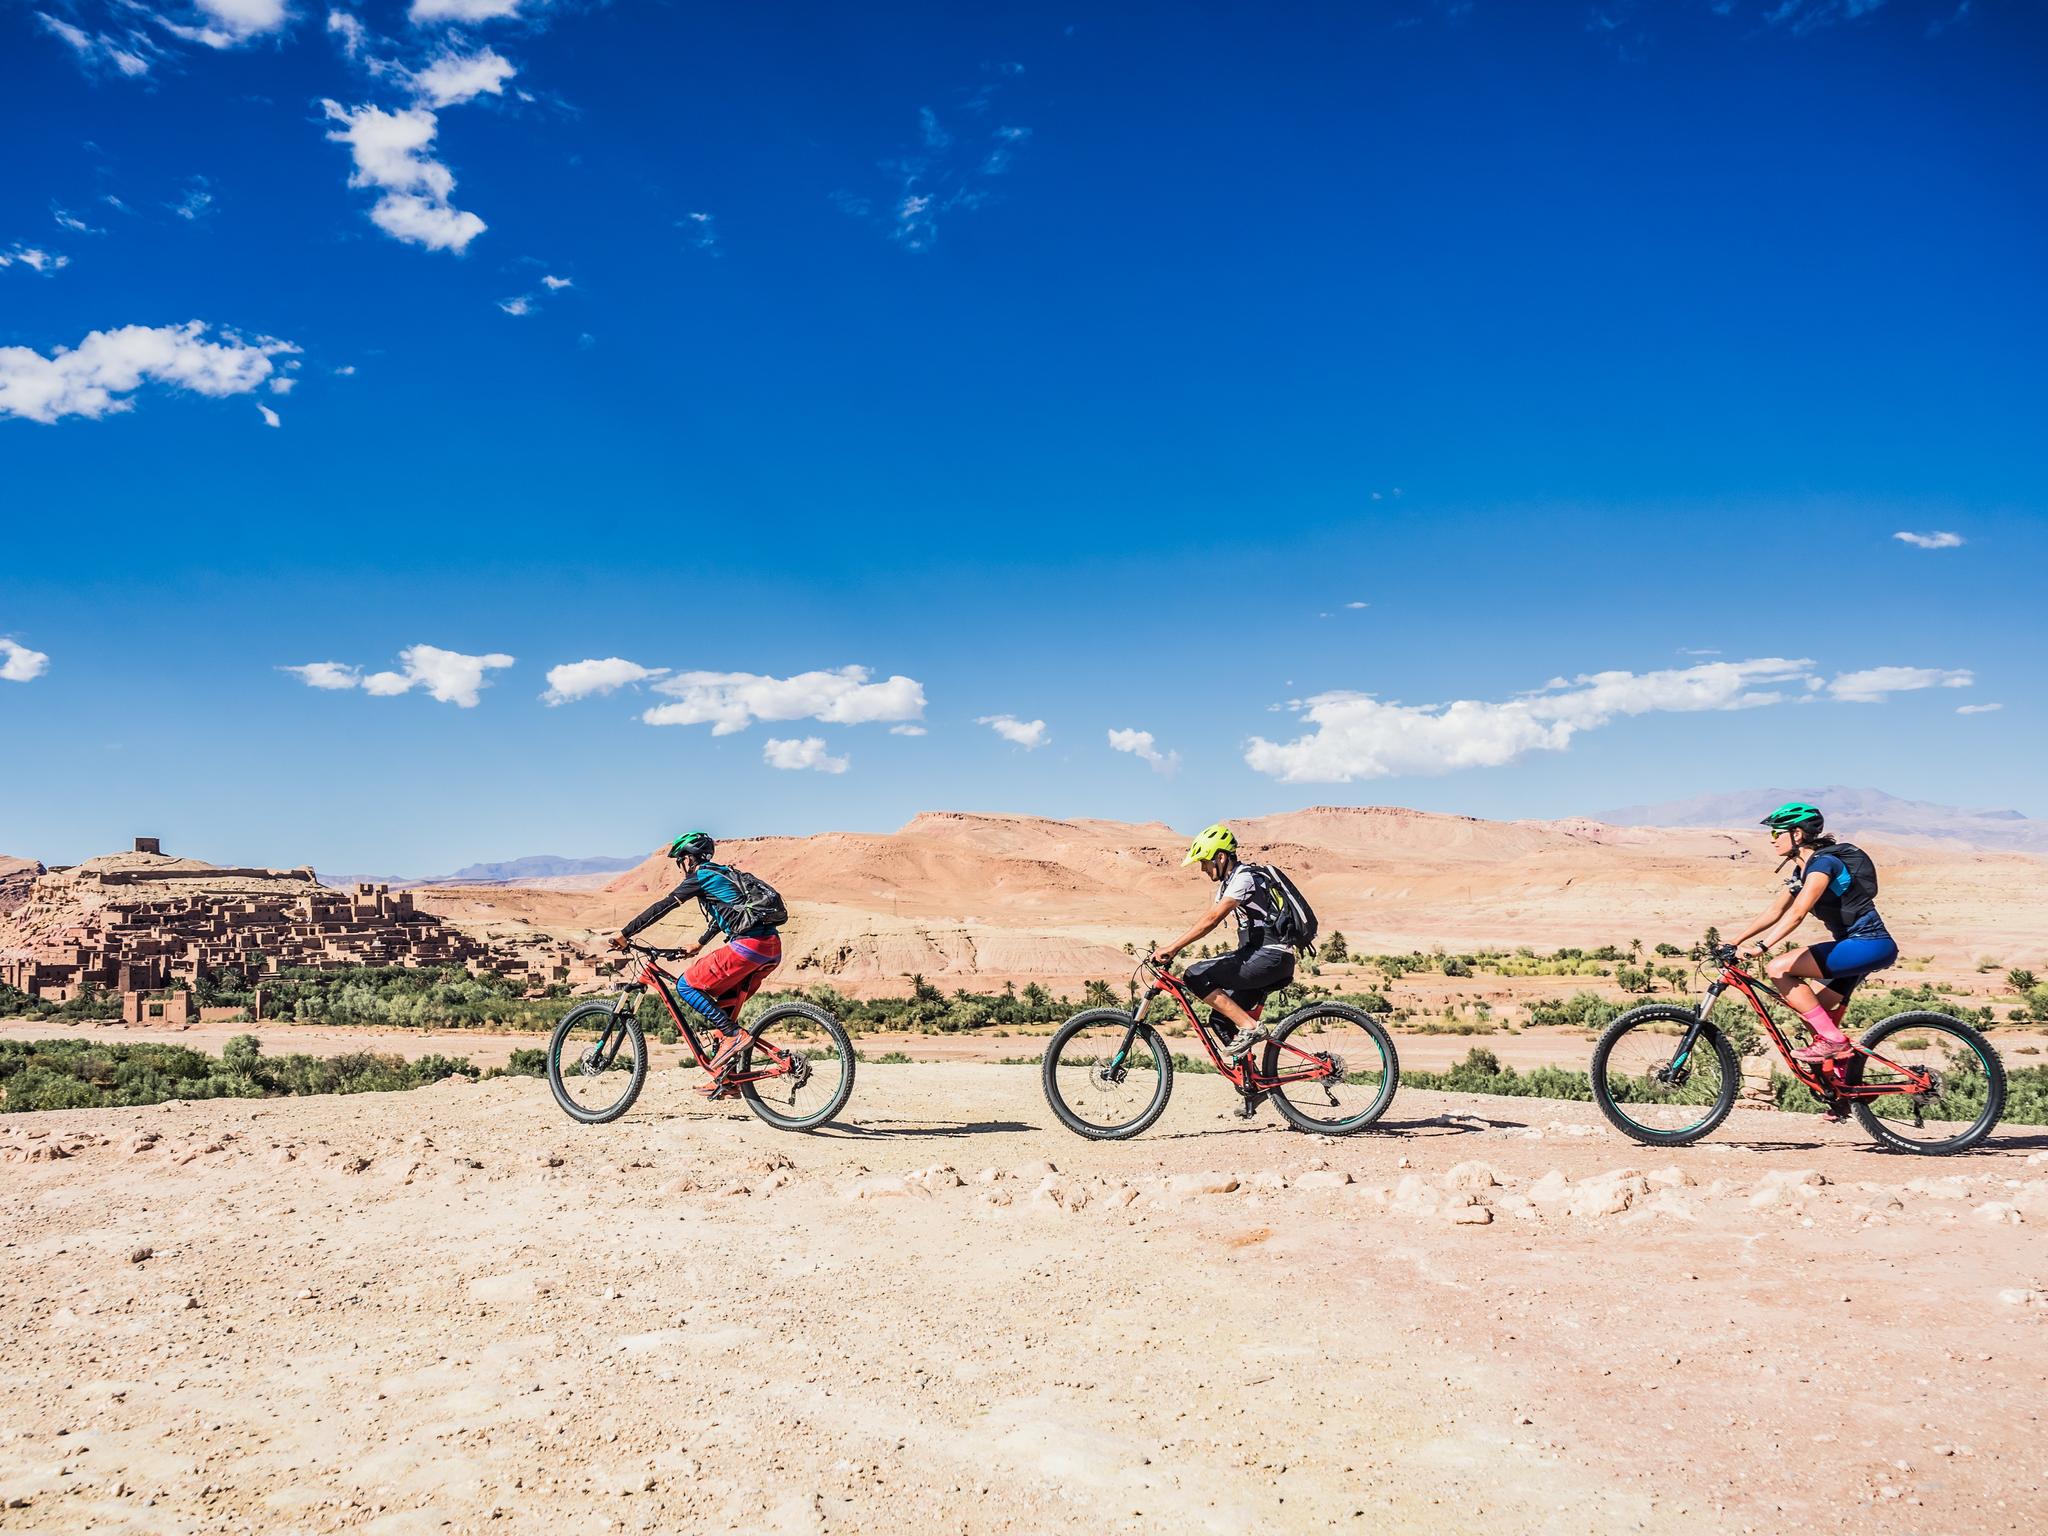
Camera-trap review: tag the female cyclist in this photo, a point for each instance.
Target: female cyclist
(1837, 883)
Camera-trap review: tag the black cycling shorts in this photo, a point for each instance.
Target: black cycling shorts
(1247, 976)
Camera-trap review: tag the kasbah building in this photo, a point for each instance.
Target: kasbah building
(146, 925)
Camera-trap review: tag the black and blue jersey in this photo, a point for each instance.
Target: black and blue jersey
(718, 894)
(1848, 907)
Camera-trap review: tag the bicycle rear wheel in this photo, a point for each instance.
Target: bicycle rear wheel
(816, 1080)
(1949, 1085)
(1105, 1077)
(1333, 1069)
(1648, 1092)
(597, 1062)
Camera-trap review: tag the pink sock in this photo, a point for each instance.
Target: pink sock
(1824, 1025)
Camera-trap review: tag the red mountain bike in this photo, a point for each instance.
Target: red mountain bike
(1917, 1082)
(1328, 1068)
(795, 1070)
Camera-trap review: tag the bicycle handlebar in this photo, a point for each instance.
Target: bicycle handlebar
(656, 954)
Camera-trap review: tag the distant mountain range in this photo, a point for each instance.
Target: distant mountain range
(533, 866)
(1849, 812)
(540, 866)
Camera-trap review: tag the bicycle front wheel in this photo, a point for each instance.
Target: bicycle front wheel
(1332, 1069)
(1942, 1085)
(813, 1077)
(1106, 1077)
(597, 1062)
(1648, 1091)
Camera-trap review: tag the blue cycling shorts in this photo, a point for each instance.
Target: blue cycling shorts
(1852, 959)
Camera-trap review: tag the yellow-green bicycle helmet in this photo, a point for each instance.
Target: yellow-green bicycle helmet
(1210, 842)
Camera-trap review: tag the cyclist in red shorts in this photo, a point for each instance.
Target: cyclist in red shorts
(743, 907)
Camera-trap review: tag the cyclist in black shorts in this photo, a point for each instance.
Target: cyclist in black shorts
(1235, 985)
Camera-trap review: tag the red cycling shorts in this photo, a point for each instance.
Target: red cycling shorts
(734, 971)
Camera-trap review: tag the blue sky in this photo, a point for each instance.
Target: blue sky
(1056, 368)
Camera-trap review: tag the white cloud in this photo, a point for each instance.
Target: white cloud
(270, 417)
(555, 284)
(732, 701)
(389, 149)
(580, 679)
(66, 219)
(19, 664)
(1028, 734)
(704, 227)
(238, 21)
(87, 379)
(1357, 736)
(1358, 605)
(907, 730)
(521, 305)
(326, 674)
(128, 56)
(1874, 684)
(1141, 746)
(35, 258)
(448, 676)
(809, 753)
(1978, 709)
(283, 384)
(462, 10)
(998, 159)
(193, 204)
(349, 27)
(454, 78)
(1931, 540)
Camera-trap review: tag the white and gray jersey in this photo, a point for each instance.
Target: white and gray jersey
(1256, 912)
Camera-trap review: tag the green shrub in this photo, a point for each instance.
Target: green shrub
(80, 1074)
(1583, 1010)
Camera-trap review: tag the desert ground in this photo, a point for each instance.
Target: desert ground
(453, 1309)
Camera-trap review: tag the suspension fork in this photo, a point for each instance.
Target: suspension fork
(1131, 1029)
(624, 1006)
(1692, 1034)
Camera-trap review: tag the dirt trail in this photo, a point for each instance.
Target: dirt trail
(454, 1310)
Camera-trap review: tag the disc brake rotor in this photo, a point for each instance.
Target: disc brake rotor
(1106, 1078)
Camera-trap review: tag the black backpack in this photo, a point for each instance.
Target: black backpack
(1294, 920)
(760, 904)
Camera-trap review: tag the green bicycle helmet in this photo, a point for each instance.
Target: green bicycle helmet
(1794, 813)
(1210, 842)
(695, 845)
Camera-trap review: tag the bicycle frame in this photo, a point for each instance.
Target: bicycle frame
(1242, 1074)
(1822, 1079)
(664, 985)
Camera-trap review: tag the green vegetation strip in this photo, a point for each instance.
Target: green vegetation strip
(83, 1074)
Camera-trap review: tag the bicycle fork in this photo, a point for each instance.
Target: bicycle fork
(1683, 1054)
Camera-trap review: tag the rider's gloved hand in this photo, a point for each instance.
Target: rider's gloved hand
(619, 942)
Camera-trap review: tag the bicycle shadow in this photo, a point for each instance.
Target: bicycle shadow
(1404, 1130)
(856, 1132)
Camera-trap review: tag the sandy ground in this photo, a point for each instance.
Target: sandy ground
(455, 1310)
